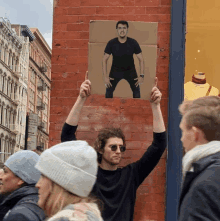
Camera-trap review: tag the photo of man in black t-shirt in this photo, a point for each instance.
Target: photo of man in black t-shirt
(122, 49)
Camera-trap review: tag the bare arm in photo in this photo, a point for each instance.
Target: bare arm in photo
(104, 70)
(85, 90)
(140, 79)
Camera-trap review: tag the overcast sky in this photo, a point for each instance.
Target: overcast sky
(33, 13)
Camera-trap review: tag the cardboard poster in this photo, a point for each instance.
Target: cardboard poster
(100, 33)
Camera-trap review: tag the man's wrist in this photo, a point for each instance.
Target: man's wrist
(82, 98)
(155, 106)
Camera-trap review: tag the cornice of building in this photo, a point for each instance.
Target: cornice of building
(7, 129)
(8, 68)
(25, 30)
(6, 27)
(9, 99)
(41, 39)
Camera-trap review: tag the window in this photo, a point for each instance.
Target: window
(5, 54)
(45, 110)
(11, 90)
(31, 96)
(0, 145)
(46, 92)
(5, 86)
(3, 83)
(2, 115)
(8, 87)
(14, 116)
(9, 118)
(6, 117)
(33, 77)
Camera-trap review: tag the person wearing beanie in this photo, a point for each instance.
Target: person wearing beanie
(68, 174)
(17, 185)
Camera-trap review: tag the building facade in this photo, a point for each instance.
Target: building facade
(25, 73)
(40, 86)
(14, 60)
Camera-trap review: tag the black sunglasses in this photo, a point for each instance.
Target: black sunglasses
(115, 147)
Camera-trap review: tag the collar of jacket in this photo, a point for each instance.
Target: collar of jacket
(198, 167)
(16, 195)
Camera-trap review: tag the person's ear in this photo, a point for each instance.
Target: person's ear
(20, 182)
(198, 134)
(101, 151)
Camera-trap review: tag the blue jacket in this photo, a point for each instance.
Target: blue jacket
(200, 197)
(21, 205)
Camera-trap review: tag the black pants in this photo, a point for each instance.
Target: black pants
(129, 76)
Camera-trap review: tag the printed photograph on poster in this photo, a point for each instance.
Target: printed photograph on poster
(122, 58)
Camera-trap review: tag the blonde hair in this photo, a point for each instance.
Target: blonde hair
(203, 113)
(60, 198)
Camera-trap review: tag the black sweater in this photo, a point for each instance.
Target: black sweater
(117, 189)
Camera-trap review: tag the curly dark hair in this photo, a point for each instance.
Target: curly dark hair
(123, 23)
(104, 135)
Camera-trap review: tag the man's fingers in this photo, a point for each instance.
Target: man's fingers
(136, 79)
(154, 89)
(155, 94)
(86, 76)
(86, 88)
(86, 82)
(155, 81)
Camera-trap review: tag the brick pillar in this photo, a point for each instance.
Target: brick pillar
(69, 64)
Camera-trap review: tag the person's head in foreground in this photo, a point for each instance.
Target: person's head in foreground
(68, 173)
(18, 171)
(200, 122)
(19, 196)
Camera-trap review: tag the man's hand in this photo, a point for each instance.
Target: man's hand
(139, 80)
(107, 82)
(155, 94)
(85, 88)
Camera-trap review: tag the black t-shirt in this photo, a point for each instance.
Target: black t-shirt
(117, 189)
(122, 53)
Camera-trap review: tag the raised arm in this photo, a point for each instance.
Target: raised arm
(144, 166)
(85, 90)
(158, 122)
(70, 126)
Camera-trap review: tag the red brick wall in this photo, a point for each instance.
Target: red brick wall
(69, 64)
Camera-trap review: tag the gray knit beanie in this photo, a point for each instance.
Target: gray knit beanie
(73, 165)
(22, 164)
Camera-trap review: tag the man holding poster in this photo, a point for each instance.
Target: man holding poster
(116, 187)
